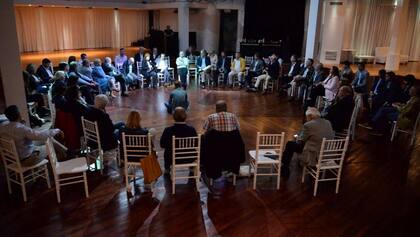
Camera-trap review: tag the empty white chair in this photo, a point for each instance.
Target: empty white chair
(17, 172)
(352, 125)
(330, 158)
(74, 170)
(268, 155)
(92, 145)
(135, 147)
(412, 132)
(185, 154)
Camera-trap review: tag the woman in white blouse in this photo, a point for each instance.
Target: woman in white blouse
(331, 84)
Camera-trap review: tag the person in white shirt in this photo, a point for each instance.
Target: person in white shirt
(120, 59)
(182, 64)
(162, 67)
(24, 136)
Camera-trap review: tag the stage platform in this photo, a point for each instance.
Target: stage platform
(60, 56)
(379, 193)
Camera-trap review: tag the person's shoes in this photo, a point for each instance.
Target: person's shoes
(365, 125)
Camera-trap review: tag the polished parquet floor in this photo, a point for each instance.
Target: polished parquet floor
(379, 195)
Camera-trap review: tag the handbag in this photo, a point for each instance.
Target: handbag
(151, 168)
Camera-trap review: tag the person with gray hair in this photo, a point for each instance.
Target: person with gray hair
(108, 131)
(222, 120)
(105, 82)
(111, 71)
(308, 140)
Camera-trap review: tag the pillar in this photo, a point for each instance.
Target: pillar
(240, 29)
(183, 26)
(10, 67)
(332, 32)
(397, 35)
(312, 34)
(211, 28)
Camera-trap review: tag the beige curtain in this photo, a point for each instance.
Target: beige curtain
(56, 28)
(368, 25)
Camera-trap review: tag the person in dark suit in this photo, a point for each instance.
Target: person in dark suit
(138, 57)
(155, 55)
(106, 127)
(255, 69)
(75, 106)
(315, 87)
(204, 67)
(223, 66)
(179, 129)
(378, 90)
(340, 111)
(110, 70)
(272, 73)
(393, 89)
(148, 70)
(407, 83)
(293, 71)
(308, 141)
(44, 71)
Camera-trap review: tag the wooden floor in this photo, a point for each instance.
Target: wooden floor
(59, 56)
(379, 195)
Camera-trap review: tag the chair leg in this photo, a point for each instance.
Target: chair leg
(316, 183)
(234, 179)
(337, 185)
(22, 184)
(47, 177)
(413, 138)
(57, 189)
(8, 180)
(254, 183)
(86, 184)
(197, 180)
(394, 131)
(278, 176)
(173, 180)
(303, 174)
(127, 187)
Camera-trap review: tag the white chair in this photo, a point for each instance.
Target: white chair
(330, 158)
(170, 69)
(139, 75)
(268, 155)
(161, 79)
(92, 145)
(17, 172)
(74, 170)
(350, 132)
(135, 147)
(185, 149)
(413, 132)
(51, 106)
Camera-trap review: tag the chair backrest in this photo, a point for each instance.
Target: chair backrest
(270, 142)
(333, 150)
(186, 148)
(51, 105)
(138, 65)
(9, 153)
(352, 124)
(52, 156)
(136, 146)
(248, 60)
(168, 61)
(91, 133)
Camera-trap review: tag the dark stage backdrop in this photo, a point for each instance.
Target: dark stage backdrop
(276, 20)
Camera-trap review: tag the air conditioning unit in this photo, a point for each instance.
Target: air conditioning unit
(331, 55)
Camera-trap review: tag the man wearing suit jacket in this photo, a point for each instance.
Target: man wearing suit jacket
(204, 67)
(255, 69)
(308, 141)
(110, 70)
(44, 71)
(340, 111)
(148, 70)
(223, 66)
(315, 87)
(179, 129)
(293, 71)
(378, 90)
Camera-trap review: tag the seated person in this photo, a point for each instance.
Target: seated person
(106, 127)
(179, 129)
(34, 90)
(120, 59)
(83, 57)
(88, 87)
(315, 86)
(110, 70)
(155, 55)
(35, 83)
(272, 73)
(309, 140)
(148, 70)
(340, 111)
(71, 59)
(223, 66)
(346, 72)
(130, 72)
(331, 84)
(406, 85)
(105, 82)
(237, 68)
(255, 69)
(85, 69)
(64, 67)
(222, 120)
(45, 71)
(76, 106)
(305, 75)
(293, 71)
(204, 67)
(178, 98)
(58, 99)
(404, 114)
(162, 67)
(24, 136)
(378, 91)
(58, 81)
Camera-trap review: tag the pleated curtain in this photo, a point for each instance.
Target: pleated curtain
(59, 28)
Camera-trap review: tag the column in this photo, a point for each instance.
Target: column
(183, 25)
(211, 28)
(10, 67)
(332, 32)
(397, 35)
(240, 29)
(312, 35)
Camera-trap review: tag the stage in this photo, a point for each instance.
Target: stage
(59, 56)
(379, 192)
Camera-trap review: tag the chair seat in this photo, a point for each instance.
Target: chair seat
(29, 167)
(329, 165)
(186, 165)
(76, 165)
(262, 159)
